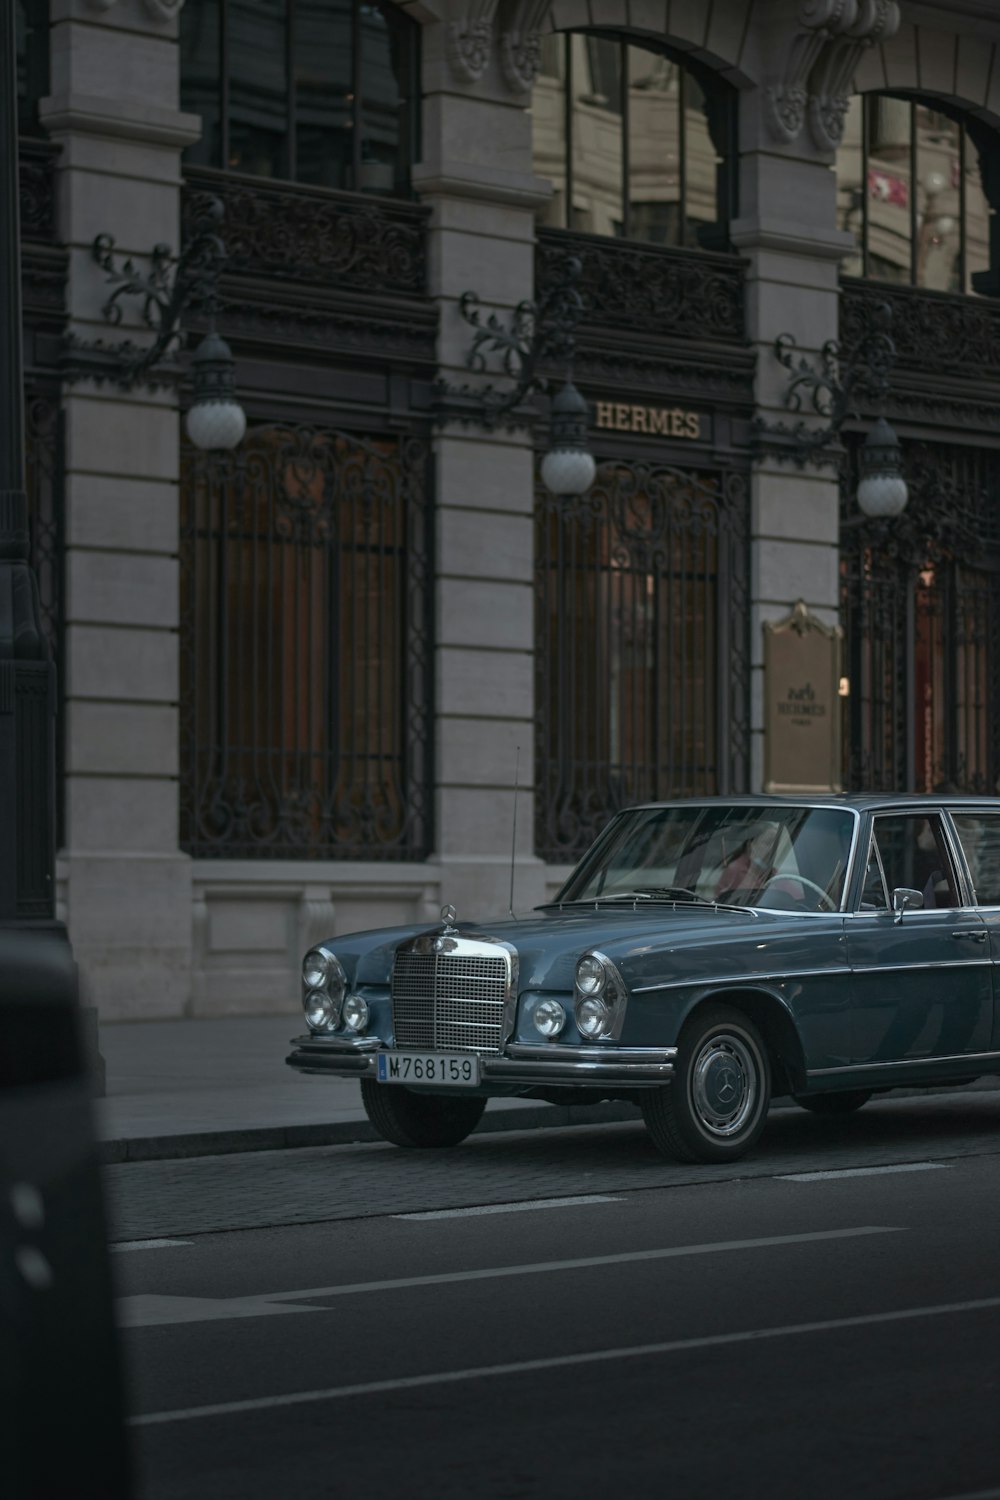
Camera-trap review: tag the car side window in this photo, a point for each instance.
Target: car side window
(915, 855)
(979, 834)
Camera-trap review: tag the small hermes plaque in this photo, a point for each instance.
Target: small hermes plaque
(802, 688)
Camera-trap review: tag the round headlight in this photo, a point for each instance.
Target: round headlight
(591, 975)
(549, 1017)
(592, 1017)
(324, 971)
(321, 1011)
(355, 1013)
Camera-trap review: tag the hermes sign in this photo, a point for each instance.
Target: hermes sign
(802, 688)
(661, 421)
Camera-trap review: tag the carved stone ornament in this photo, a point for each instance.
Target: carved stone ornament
(470, 41)
(521, 42)
(820, 62)
(833, 75)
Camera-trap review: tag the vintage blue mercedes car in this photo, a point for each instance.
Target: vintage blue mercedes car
(704, 957)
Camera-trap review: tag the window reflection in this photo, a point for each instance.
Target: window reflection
(912, 187)
(319, 91)
(650, 144)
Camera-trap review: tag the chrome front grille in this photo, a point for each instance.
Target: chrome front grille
(449, 995)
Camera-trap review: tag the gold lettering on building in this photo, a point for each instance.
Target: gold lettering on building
(615, 416)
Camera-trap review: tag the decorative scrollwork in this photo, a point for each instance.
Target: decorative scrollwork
(821, 57)
(954, 336)
(294, 235)
(166, 290)
(537, 334)
(521, 42)
(667, 293)
(470, 41)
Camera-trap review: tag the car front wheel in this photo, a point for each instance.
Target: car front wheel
(716, 1106)
(409, 1119)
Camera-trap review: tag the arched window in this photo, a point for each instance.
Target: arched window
(918, 184)
(636, 144)
(314, 91)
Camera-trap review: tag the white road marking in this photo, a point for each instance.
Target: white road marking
(145, 1245)
(511, 1208)
(560, 1362)
(903, 1166)
(149, 1310)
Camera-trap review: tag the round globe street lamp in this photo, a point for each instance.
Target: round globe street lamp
(215, 419)
(833, 395)
(568, 467)
(538, 334)
(882, 489)
(167, 290)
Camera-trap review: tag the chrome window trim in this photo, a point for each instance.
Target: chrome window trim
(912, 1062)
(949, 963)
(778, 977)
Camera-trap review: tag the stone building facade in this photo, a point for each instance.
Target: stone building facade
(296, 679)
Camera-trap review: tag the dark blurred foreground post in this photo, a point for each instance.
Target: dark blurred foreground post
(61, 1414)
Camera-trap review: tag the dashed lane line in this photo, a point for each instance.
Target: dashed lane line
(511, 1208)
(152, 1309)
(124, 1245)
(833, 1172)
(559, 1362)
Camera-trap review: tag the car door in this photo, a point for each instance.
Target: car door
(979, 834)
(921, 984)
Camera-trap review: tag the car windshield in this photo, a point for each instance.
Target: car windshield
(782, 858)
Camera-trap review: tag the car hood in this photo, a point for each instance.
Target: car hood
(549, 943)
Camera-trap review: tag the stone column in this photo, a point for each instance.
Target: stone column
(476, 174)
(789, 236)
(126, 886)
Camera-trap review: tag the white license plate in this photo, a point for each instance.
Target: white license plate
(449, 1068)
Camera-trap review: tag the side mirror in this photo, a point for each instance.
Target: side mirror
(903, 899)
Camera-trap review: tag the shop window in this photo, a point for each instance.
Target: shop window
(31, 29)
(641, 651)
(323, 92)
(637, 144)
(305, 647)
(919, 188)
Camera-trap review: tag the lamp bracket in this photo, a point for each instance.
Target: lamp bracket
(167, 290)
(833, 390)
(536, 334)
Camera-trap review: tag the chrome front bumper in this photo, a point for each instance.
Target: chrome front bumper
(522, 1065)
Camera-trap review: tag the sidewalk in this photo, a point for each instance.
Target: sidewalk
(201, 1088)
(205, 1088)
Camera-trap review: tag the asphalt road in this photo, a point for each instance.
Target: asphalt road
(611, 1326)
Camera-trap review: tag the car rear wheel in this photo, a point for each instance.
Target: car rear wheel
(717, 1104)
(834, 1104)
(409, 1119)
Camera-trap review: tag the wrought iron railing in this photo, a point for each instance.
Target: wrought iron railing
(650, 290)
(306, 647)
(642, 646)
(290, 233)
(936, 333)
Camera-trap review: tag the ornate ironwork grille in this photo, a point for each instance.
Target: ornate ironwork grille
(921, 610)
(642, 652)
(305, 647)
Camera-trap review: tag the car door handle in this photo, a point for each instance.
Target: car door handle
(970, 937)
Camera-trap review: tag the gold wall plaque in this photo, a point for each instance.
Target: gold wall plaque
(802, 704)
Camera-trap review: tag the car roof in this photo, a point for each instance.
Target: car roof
(850, 801)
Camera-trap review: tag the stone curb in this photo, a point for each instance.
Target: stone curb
(359, 1131)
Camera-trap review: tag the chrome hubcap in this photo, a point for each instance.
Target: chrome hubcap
(724, 1085)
